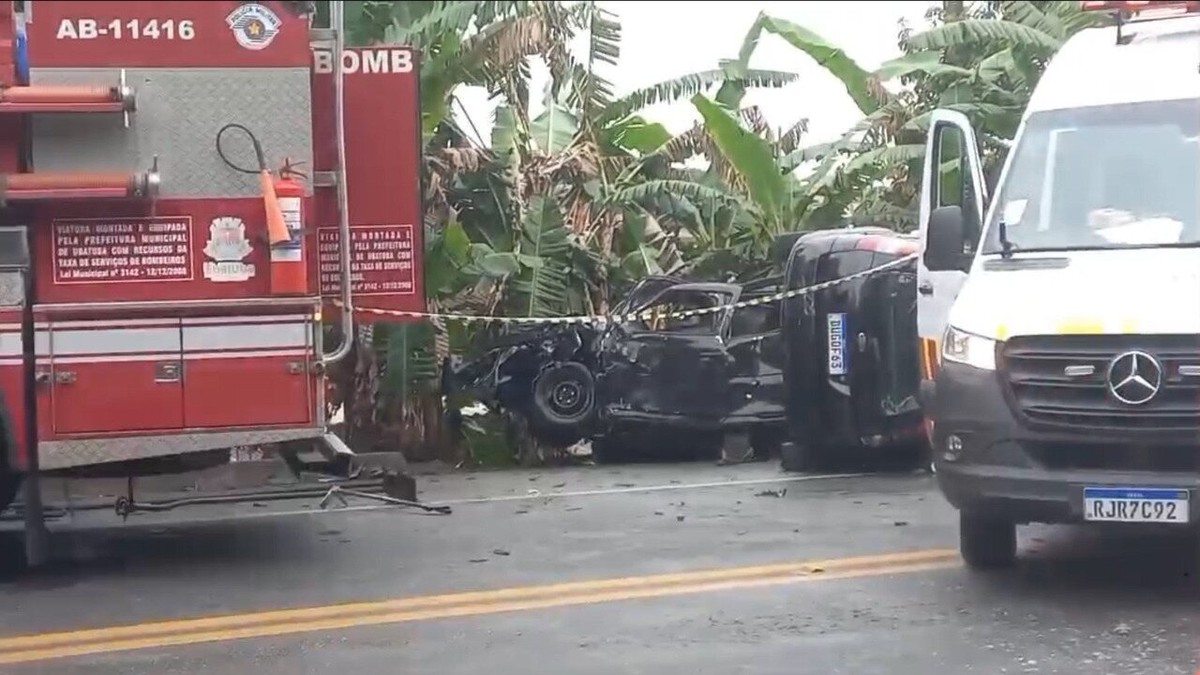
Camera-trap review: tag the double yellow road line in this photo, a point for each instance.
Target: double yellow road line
(337, 617)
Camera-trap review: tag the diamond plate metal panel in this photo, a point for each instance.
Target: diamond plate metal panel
(12, 289)
(84, 452)
(179, 112)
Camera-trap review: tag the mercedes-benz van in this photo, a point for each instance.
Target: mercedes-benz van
(1060, 317)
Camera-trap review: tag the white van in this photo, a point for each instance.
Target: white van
(1060, 319)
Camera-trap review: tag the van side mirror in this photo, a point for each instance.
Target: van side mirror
(945, 239)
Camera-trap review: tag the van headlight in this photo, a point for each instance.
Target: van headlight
(969, 349)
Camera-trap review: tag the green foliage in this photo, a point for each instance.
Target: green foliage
(984, 63)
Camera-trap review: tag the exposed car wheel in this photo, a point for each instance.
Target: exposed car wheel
(564, 399)
(986, 543)
(802, 457)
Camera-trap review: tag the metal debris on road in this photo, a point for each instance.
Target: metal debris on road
(771, 493)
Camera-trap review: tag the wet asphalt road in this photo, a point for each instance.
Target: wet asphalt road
(1077, 603)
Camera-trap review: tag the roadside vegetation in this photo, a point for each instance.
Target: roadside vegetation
(561, 209)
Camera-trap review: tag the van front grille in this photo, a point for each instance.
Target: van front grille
(1060, 382)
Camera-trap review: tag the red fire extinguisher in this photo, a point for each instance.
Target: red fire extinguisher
(289, 274)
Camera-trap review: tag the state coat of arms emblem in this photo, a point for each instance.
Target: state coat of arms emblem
(227, 249)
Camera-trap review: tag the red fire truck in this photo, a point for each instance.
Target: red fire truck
(188, 189)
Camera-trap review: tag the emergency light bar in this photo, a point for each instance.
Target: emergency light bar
(1137, 11)
(1167, 7)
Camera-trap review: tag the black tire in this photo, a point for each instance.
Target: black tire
(10, 480)
(9, 484)
(801, 457)
(986, 543)
(564, 400)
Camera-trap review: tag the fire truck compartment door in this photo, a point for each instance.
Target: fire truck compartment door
(115, 376)
(245, 371)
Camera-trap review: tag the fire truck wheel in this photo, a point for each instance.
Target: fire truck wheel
(8, 489)
(564, 398)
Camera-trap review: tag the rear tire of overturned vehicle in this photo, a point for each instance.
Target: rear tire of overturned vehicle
(986, 543)
(564, 400)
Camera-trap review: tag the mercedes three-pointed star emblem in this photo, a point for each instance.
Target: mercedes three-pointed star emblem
(1134, 377)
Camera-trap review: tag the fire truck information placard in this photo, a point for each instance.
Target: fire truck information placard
(383, 177)
(381, 260)
(197, 249)
(104, 250)
(209, 34)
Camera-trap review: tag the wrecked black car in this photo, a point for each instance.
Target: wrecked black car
(660, 381)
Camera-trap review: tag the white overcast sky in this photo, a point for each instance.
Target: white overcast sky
(663, 39)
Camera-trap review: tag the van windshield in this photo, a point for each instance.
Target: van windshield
(1104, 177)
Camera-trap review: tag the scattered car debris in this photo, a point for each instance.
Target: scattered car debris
(771, 493)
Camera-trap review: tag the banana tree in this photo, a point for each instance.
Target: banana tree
(983, 61)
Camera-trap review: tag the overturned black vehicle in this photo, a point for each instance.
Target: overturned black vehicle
(852, 358)
(660, 381)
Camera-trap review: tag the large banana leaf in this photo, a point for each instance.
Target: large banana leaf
(540, 287)
(411, 364)
(450, 250)
(750, 155)
(829, 56)
(888, 155)
(1059, 18)
(975, 31)
(651, 248)
(689, 85)
(504, 130)
(590, 91)
(926, 62)
(554, 130)
(655, 189)
(636, 133)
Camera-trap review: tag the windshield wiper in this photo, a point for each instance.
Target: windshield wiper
(1108, 247)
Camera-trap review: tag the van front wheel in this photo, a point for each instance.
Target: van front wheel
(986, 543)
